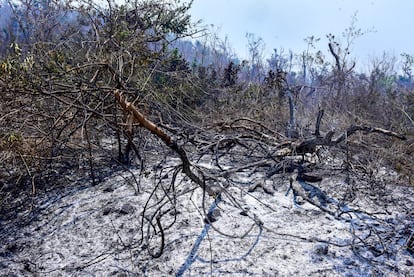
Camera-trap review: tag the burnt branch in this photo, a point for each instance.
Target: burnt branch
(309, 146)
(337, 59)
(355, 128)
(157, 131)
(318, 123)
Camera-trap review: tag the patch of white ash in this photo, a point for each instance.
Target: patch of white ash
(100, 231)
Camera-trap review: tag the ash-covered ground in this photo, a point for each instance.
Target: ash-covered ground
(155, 222)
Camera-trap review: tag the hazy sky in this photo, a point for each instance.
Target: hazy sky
(286, 23)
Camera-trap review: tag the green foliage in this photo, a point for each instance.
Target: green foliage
(407, 65)
(15, 62)
(58, 76)
(10, 141)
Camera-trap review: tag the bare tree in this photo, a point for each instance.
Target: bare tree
(256, 46)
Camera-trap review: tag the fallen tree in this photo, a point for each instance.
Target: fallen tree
(283, 148)
(246, 146)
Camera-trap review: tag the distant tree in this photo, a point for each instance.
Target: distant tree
(256, 48)
(313, 62)
(231, 74)
(280, 61)
(340, 49)
(383, 74)
(407, 65)
(276, 82)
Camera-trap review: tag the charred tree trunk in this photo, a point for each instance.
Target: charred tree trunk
(291, 130)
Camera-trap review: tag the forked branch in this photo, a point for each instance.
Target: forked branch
(139, 118)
